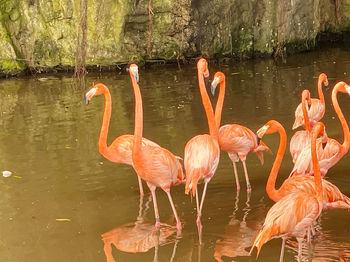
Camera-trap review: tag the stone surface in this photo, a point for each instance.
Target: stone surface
(40, 34)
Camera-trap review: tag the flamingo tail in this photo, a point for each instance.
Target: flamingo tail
(192, 181)
(262, 237)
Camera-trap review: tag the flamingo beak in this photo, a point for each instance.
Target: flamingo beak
(213, 85)
(90, 94)
(348, 89)
(261, 132)
(136, 75)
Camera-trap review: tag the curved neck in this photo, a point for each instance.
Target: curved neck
(271, 182)
(213, 129)
(138, 117)
(341, 117)
(102, 141)
(305, 114)
(220, 103)
(319, 90)
(316, 167)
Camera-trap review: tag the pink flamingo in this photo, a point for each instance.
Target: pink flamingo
(293, 214)
(318, 106)
(301, 138)
(333, 198)
(202, 152)
(332, 151)
(235, 139)
(120, 150)
(156, 165)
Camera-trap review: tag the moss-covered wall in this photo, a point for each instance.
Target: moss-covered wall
(43, 33)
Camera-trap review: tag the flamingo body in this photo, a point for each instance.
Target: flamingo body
(238, 141)
(120, 151)
(202, 154)
(289, 217)
(159, 167)
(315, 113)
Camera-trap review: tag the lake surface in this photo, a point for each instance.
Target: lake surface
(63, 195)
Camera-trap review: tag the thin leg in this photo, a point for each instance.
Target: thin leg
(236, 175)
(174, 250)
(300, 247)
(309, 234)
(140, 186)
(282, 248)
(203, 195)
(178, 223)
(156, 213)
(197, 203)
(249, 187)
(156, 247)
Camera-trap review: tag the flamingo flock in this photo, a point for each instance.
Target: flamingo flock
(300, 199)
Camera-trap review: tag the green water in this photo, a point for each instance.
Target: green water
(63, 195)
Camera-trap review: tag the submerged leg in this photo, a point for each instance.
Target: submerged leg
(178, 223)
(282, 248)
(300, 247)
(236, 175)
(249, 187)
(156, 213)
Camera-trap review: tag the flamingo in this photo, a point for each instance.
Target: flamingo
(154, 164)
(293, 214)
(120, 150)
(318, 106)
(235, 139)
(333, 198)
(331, 152)
(301, 138)
(202, 152)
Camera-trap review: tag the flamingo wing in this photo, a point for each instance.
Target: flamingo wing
(290, 216)
(159, 167)
(120, 151)
(237, 139)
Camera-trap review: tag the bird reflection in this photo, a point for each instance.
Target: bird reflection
(139, 236)
(238, 235)
(324, 248)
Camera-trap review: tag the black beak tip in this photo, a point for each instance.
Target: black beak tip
(324, 145)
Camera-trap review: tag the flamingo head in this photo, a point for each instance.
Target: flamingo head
(323, 78)
(134, 71)
(347, 89)
(320, 129)
(202, 66)
(97, 89)
(305, 96)
(270, 127)
(219, 78)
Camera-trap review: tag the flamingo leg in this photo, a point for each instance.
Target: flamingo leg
(236, 175)
(139, 217)
(156, 213)
(282, 248)
(309, 234)
(203, 196)
(300, 246)
(249, 187)
(178, 222)
(156, 247)
(140, 186)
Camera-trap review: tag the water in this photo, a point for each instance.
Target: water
(63, 195)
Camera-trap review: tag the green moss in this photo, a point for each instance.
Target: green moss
(242, 42)
(11, 67)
